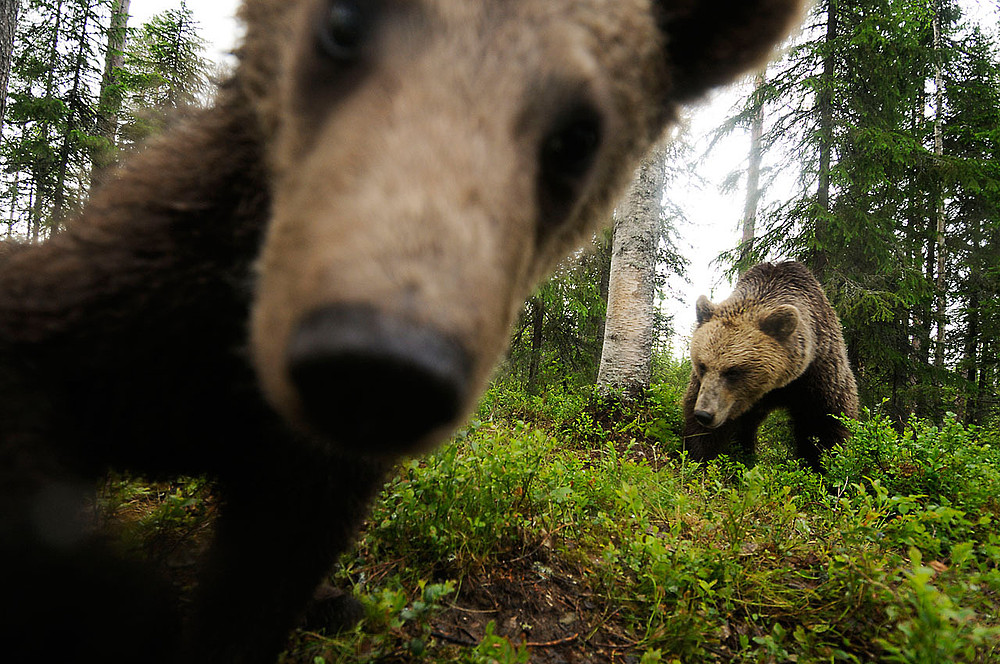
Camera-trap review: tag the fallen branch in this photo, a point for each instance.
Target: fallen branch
(457, 640)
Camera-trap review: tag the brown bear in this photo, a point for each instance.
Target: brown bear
(307, 280)
(774, 343)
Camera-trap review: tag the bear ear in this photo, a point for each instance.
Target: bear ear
(704, 310)
(781, 322)
(711, 42)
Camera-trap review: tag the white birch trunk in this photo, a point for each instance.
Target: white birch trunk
(941, 304)
(753, 178)
(9, 10)
(628, 334)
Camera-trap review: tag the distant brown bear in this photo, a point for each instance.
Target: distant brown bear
(775, 343)
(308, 280)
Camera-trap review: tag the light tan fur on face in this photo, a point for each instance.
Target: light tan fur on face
(742, 353)
(418, 193)
(414, 188)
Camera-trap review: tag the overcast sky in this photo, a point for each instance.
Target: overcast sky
(712, 217)
(215, 20)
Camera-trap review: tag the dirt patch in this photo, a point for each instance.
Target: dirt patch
(537, 599)
(547, 606)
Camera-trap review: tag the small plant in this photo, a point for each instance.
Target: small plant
(497, 650)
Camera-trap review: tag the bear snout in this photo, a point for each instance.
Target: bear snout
(347, 362)
(704, 417)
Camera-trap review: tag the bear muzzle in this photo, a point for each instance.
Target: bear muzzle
(704, 417)
(712, 408)
(377, 383)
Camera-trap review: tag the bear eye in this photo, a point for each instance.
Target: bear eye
(568, 151)
(345, 28)
(733, 374)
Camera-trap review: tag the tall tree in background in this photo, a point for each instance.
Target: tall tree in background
(749, 223)
(824, 112)
(112, 92)
(971, 136)
(79, 90)
(882, 172)
(9, 10)
(627, 355)
(77, 126)
(558, 335)
(940, 223)
(164, 70)
(51, 115)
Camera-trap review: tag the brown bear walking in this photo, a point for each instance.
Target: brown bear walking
(774, 343)
(308, 280)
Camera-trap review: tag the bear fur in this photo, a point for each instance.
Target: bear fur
(774, 343)
(349, 229)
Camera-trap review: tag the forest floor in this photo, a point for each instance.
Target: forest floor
(569, 531)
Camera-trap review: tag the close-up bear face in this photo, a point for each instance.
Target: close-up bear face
(420, 195)
(388, 151)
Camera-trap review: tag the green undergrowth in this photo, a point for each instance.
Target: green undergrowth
(891, 556)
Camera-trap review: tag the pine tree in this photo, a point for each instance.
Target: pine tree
(112, 92)
(164, 70)
(52, 111)
(875, 214)
(78, 94)
(971, 144)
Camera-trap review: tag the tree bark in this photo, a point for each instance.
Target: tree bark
(824, 103)
(627, 354)
(76, 104)
(9, 10)
(939, 283)
(111, 94)
(753, 178)
(537, 328)
(38, 186)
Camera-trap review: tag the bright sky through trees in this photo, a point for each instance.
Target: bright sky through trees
(713, 216)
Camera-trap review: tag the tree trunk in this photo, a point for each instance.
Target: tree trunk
(627, 354)
(824, 102)
(919, 314)
(76, 104)
(604, 256)
(753, 178)
(939, 284)
(537, 327)
(38, 186)
(970, 370)
(111, 94)
(9, 10)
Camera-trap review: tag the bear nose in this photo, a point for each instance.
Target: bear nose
(375, 382)
(704, 417)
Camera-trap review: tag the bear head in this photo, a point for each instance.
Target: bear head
(431, 160)
(742, 351)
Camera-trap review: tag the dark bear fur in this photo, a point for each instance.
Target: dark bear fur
(774, 343)
(382, 195)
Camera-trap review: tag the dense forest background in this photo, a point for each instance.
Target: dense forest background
(884, 118)
(885, 114)
(564, 524)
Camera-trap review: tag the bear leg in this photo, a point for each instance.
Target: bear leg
(746, 435)
(275, 540)
(815, 433)
(83, 604)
